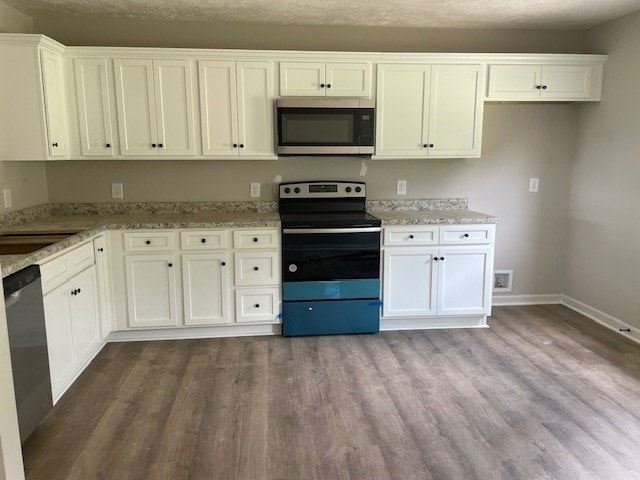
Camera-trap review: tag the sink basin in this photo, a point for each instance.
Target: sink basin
(27, 242)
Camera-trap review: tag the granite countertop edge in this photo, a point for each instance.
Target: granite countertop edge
(14, 263)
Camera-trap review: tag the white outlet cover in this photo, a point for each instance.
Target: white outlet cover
(117, 191)
(401, 187)
(255, 189)
(8, 202)
(534, 184)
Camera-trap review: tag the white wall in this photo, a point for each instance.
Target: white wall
(27, 181)
(603, 246)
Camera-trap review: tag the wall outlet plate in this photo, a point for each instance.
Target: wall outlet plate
(117, 191)
(534, 183)
(255, 189)
(8, 202)
(401, 187)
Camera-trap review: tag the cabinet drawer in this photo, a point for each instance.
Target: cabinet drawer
(257, 304)
(64, 267)
(203, 240)
(148, 241)
(411, 236)
(257, 268)
(466, 235)
(255, 239)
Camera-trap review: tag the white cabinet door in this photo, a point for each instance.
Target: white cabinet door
(206, 288)
(151, 290)
(464, 280)
(55, 105)
(85, 313)
(257, 304)
(135, 98)
(255, 108)
(455, 111)
(566, 82)
(402, 110)
(348, 79)
(409, 282)
(60, 346)
(105, 293)
(174, 107)
(514, 82)
(218, 112)
(94, 107)
(302, 79)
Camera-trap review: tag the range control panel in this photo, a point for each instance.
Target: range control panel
(323, 189)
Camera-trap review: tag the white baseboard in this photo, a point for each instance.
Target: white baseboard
(195, 332)
(503, 300)
(432, 323)
(601, 317)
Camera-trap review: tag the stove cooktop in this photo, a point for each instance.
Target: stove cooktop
(329, 220)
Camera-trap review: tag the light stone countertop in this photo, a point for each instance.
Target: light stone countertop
(91, 225)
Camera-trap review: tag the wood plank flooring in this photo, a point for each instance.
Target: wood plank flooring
(544, 394)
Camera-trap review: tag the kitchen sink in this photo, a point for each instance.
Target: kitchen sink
(20, 243)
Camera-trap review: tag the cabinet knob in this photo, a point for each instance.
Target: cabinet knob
(153, 145)
(466, 235)
(256, 268)
(435, 259)
(441, 258)
(431, 145)
(101, 249)
(410, 236)
(538, 87)
(257, 305)
(79, 290)
(425, 145)
(55, 144)
(322, 85)
(108, 145)
(242, 145)
(204, 240)
(544, 87)
(74, 292)
(223, 263)
(159, 145)
(328, 85)
(255, 239)
(148, 242)
(235, 145)
(170, 265)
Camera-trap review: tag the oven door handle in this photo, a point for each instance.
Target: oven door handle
(305, 231)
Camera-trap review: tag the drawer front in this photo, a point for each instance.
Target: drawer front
(257, 268)
(255, 239)
(257, 305)
(148, 241)
(411, 236)
(65, 266)
(467, 235)
(203, 240)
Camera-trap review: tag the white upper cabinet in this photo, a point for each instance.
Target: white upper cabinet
(429, 111)
(237, 108)
(55, 104)
(155, 107)
(544, 82)
(94, 107)
(319, 79)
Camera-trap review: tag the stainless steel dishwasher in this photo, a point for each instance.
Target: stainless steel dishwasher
(28, 346)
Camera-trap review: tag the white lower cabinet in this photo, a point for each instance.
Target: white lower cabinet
(205, 283)
(151, 290)
(73, 329)
(438, 280)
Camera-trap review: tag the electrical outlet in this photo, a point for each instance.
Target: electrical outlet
(255, 189)
(8, 202)
(401, 187)
(117, 190)
(534, 183)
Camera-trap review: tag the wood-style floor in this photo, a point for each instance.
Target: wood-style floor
(545, 393)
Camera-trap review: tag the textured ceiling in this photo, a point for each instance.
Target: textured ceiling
(539, 14)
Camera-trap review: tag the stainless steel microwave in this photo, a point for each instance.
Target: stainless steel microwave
(326, 126)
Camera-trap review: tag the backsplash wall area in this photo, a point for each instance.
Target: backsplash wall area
(520, 141)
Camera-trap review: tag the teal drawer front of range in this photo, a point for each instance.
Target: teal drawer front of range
(330, 317)
(332, 290)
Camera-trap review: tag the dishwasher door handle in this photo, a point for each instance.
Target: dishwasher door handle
(12, 299)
